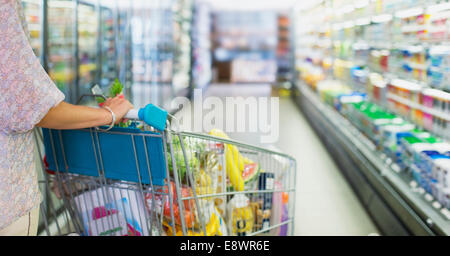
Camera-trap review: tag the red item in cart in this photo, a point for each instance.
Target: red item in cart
(162, 196)
(46, 166)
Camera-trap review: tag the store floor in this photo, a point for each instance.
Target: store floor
(325, 203)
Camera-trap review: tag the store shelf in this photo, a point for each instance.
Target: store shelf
(395, 204)
(422, 108)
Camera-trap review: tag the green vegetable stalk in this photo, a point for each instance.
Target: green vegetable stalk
(115, 89)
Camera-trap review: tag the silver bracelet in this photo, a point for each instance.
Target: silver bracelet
(113, 119)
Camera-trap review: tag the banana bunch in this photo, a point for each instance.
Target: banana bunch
(206, 179)
(204, 183)
(235, 162)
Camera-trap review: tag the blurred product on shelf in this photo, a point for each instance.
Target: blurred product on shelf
(87, 47)
(61, 46)
(33, 15)
(283, 51)
(383, 65)
(108, 71)
(253, 71)
(412, 149)
(202, 66)
(245, 46)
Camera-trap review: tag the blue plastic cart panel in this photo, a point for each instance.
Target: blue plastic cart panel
(84, 153)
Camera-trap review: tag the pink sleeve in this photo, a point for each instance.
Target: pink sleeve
(26, 91)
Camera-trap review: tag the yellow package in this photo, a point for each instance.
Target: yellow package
(240, 216)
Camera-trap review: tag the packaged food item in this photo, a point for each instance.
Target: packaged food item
(329, 90)
(439, 66)
(413, 147)
(442, 147)
(342, 100)
(377, 88)
(263, 200)
(442, 169)
(392, 135)
(285, 214)
(240, 216)
(112, 211)
(277, 210)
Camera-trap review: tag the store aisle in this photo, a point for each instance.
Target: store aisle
(325, 203)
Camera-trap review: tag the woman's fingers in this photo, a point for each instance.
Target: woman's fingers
(119, 106)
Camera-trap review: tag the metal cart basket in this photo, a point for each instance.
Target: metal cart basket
(140, 181)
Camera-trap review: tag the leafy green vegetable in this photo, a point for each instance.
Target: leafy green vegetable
(116, 88)
(180, 162)
(194, 149)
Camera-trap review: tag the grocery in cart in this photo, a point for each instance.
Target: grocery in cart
(146, 178)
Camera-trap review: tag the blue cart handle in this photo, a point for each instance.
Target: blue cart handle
(151, 115)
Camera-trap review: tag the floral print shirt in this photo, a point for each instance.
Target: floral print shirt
(26, 95)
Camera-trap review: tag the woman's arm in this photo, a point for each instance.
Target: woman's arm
(68, 116)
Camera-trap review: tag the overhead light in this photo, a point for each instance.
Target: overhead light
(409, 12)
(438, 7)
(348, 24)
(61, 4)
(337, 26)
(362, 22)
(32, 1)
(346, 9)
(382, 18)
(361, 4)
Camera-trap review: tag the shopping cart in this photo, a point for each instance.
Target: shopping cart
(143, 180)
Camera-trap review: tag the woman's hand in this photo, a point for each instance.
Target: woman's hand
(119, 106)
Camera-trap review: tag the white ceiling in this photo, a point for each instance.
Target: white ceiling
(224, 5)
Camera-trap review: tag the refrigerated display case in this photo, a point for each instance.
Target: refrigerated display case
(124, 46)
(108, 66)
(152, 56)
(161, 51)
(182, 46)
(34, 16)
(88, 51)
(363, 81)
(90, 42)
(201, 41)
(62, 46)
